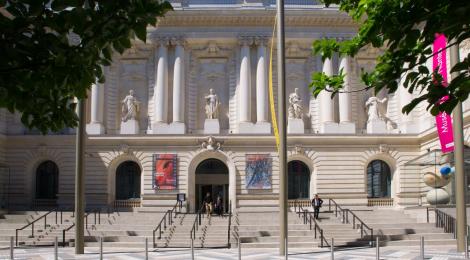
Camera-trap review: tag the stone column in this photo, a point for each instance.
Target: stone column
(262, 124)
(326, 103)
(160, 93)
(245, 124)
(178, 125)
(346, 124)
(95, 127)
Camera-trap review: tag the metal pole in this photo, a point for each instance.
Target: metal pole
(192, 249)
(79, 178)
(12, 248)
(56, 249)
(422, 248)
(287, 248)
(101, 248)
(460, 182)
(281, 83)
(332, 248)
(239, 249)
(466, 247)
(146, 248)
(377, 245)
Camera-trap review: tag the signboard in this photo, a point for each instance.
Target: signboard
(164, 171)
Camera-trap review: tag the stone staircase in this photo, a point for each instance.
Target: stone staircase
(396, 228)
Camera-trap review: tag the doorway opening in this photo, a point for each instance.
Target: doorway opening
(212, 177)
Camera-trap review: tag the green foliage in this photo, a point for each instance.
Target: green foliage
(52, 51)
(406, 30)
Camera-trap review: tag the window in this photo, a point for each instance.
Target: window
(378, 179)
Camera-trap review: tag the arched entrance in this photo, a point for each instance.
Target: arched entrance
(379, 179)
(212, 177)
(128, 181)
(298, 180)
(47, 181)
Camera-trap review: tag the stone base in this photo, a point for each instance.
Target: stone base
(262, 128)
(130, 127)
(160, 129)
(328, 127)
(211, 126)
(177, 128)
(346, 128)
(295, 126)
(94, 129)
(414, 128)
(377, 127)
(245, 127)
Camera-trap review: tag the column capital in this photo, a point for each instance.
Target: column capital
(262, 40)
(178, 40)
(162, 41)
(245, 40)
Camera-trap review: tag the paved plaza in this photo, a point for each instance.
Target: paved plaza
(436, 253)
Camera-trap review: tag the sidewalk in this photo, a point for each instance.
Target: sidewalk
(436, 253)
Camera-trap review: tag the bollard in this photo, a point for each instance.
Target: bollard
(466, 247)
(56, 249)
(377, 245)
(101, 248)
(12, 248)
(422, 247)
(192, 249)
(332, 248)
(239, 249)
(286, 247)
(146, 249)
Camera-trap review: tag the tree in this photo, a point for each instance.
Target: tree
(405, 30)
(53, 51)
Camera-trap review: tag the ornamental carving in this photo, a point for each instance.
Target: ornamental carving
(211, 144)
(384, 148)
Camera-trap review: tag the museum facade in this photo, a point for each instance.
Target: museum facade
(188, 112)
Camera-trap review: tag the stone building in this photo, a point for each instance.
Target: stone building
(198, 120)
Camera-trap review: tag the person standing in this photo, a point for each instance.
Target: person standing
(208, 204)
(316, 204)
(219, 205)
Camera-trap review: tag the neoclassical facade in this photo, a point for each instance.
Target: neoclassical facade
(188, 112)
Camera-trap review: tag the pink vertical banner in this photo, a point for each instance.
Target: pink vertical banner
(443, 120)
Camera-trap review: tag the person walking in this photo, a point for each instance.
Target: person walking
(316, 204)
(208, 204)
(219, 207)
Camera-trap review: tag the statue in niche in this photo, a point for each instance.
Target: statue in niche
(295, 105)
(212, 105)
(373, 111)
(130, 107)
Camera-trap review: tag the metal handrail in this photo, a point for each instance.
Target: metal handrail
(94, 211)
(345, 219)
(229, 223)
(168, 214)
(444, 220)
(308, 218)
(36, 220)
(196, 224)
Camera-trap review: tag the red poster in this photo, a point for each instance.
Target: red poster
(164, 172)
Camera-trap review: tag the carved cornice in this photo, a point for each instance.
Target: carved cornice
(245, 40)
(262, 40)
(178, 40)
(218, 18)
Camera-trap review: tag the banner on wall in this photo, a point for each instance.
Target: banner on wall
(258, 173)
(443, 120)
(164, 171)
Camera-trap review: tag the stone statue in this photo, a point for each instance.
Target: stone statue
(295, 105)
(373, 111)
(130, 107)
(212, 105)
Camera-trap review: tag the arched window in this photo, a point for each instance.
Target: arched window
(128, 181)
(47, 180)
(298, 180)
(379, 179)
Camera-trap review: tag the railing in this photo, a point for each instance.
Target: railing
(308, 218)
(299, 203)
(365, 229)
(131, 203)
(381, 202)
(196, 224)
(44, 203)
(444, 220)
(229, 223)
(241, 2)
(97, 217)
(36, 220)
(168, 215)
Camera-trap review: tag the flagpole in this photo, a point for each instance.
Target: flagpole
(281, 81)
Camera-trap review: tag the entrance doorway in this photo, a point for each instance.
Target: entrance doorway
(298, 180)
(212, 177)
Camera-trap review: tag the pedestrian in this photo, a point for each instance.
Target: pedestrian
(316, 204)
(219, 205)
(208, 204)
